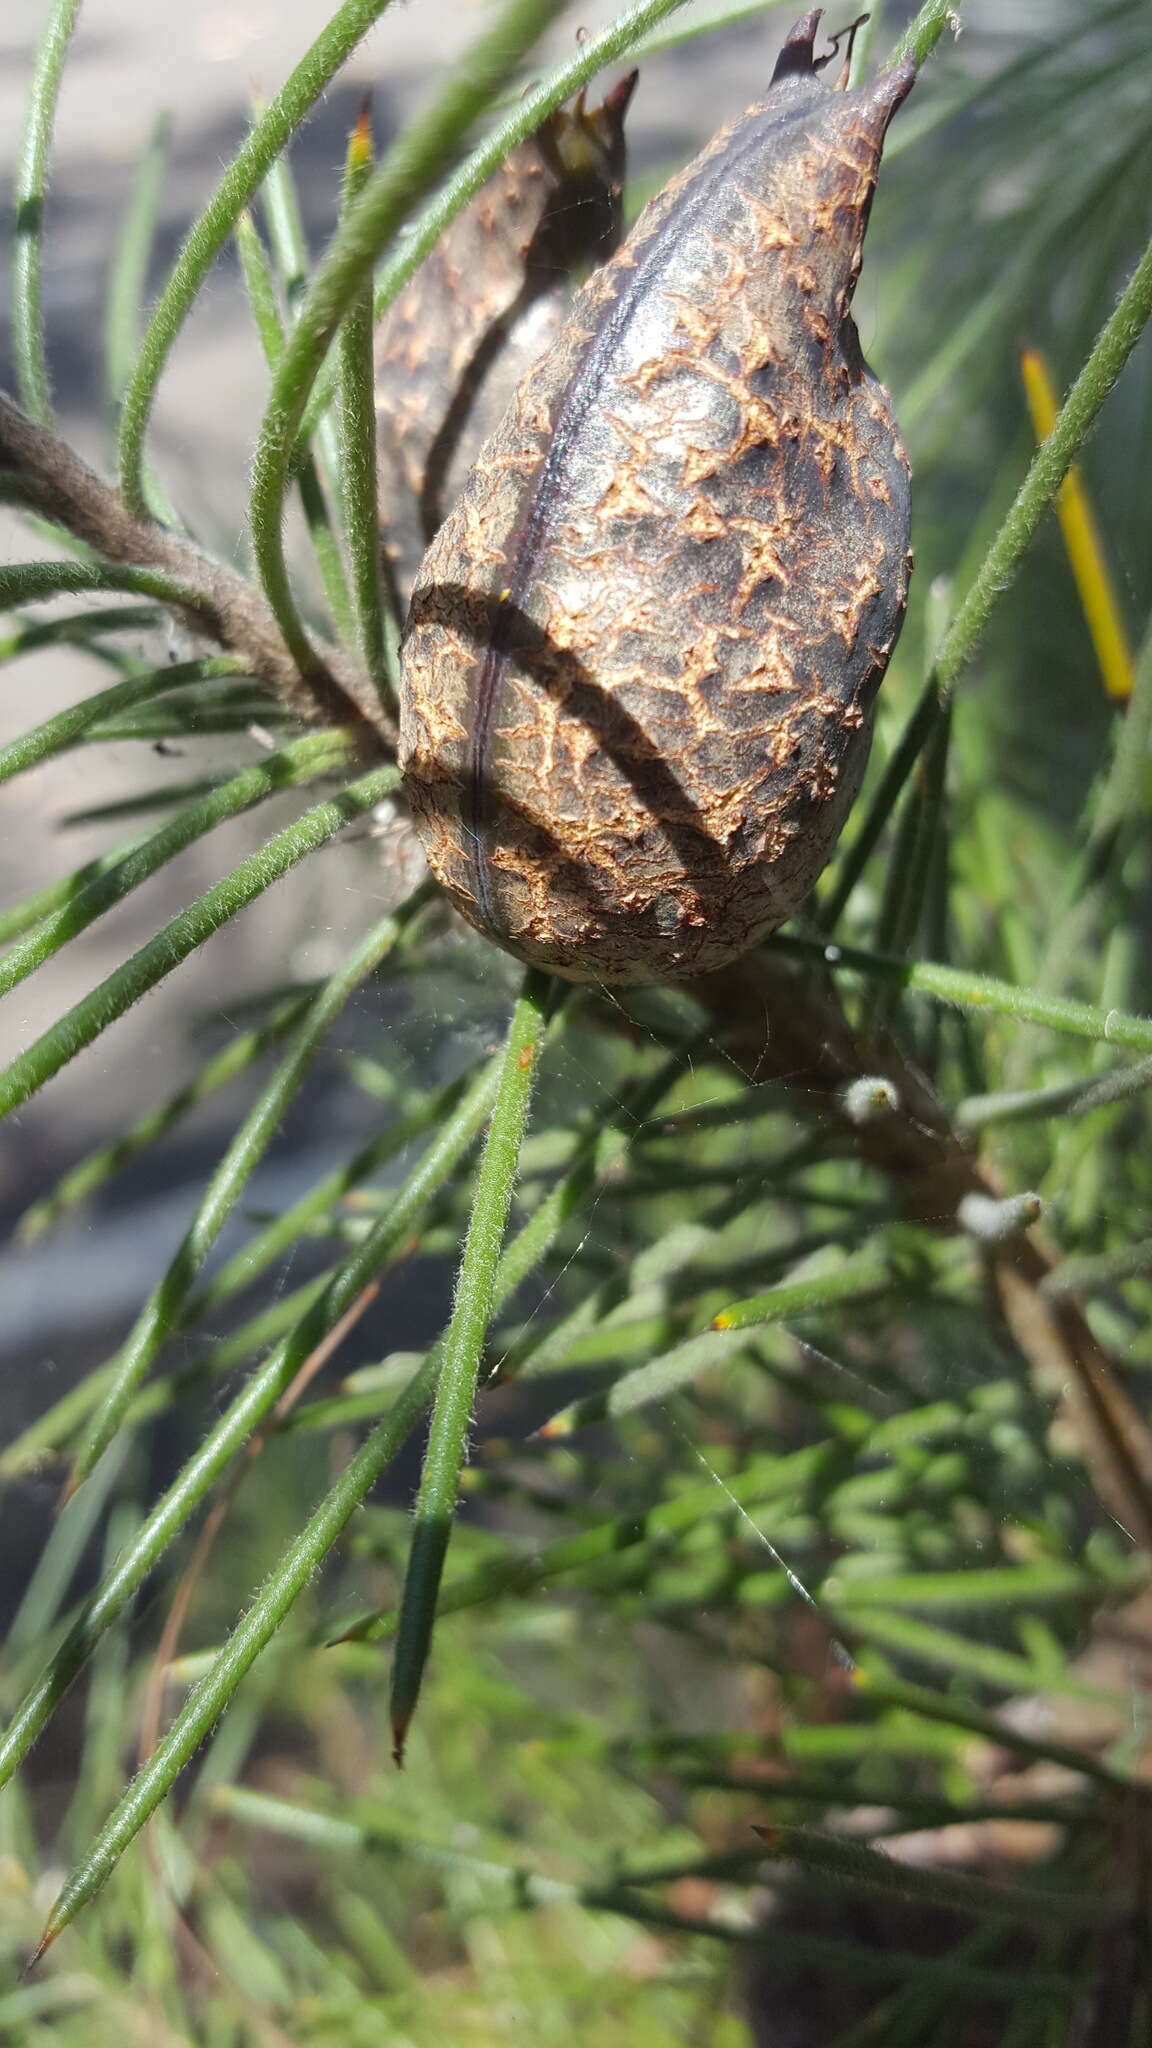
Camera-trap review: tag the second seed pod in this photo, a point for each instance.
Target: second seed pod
(484, 304)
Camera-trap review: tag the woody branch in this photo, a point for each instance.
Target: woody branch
(46, 476)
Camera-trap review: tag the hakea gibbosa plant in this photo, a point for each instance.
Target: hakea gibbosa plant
(800, 1266)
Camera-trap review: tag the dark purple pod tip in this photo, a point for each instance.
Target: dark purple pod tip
(798, 59)
(798, 54)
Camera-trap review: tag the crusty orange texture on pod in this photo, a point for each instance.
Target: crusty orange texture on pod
(642, 652)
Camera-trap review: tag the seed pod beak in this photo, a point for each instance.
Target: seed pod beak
(797, 57)
(616, 103)
(588, 142)
(879, 100)
(862, 118)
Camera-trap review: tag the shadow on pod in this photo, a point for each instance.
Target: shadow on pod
(642, 652)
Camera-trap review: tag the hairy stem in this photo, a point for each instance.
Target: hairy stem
(219, 602)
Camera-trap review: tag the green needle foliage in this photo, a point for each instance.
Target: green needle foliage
(163, 1312)
(262, 299)
(69, 727)
(129, 278)
(463, 1346)
(358, 445)
(30, 582)
(291, 106)
(703, 1432)
(95, 1012)
(373, 219)
(31, 186)
(228, 800)
(84, 1179)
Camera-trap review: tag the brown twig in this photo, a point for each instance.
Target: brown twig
(776, 1023)
(51, 479)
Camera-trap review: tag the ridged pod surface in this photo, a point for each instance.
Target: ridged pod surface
(485, 303)
(641, 657)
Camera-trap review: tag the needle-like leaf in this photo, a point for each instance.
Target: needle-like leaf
(463, 1345)
(31, 189)
(163, 1311)
(95, 1012)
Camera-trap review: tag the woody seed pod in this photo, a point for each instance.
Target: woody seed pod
(484, 304)
(642, 653)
